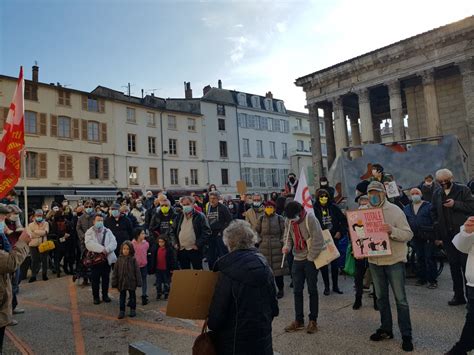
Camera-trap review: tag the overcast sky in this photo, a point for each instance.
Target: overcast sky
(252, 46)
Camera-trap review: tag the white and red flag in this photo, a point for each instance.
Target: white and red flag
(302, 193)
(12, 140)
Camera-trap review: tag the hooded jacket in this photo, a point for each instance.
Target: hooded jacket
(244, 304)
(337, 219)
(126, 275)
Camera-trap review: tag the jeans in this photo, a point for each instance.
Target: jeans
(457, 264)
(361, 266)
(163, 280)
(217, 249)
(187, 258)
(466, 342)
(100, 273)
(301, 271)
(132, 298)
(144, 273)
(38, 258)
(426, 264)
(393, 275)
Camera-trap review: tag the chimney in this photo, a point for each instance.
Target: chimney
(188, 93)
(206, 89)
(35, 73)
(269, 95)
(142, 93)
(219, 84)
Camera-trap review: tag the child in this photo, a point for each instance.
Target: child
(141, 250)
(165, 260)
(127, 277)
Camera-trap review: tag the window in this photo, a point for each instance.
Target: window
(194, 176)
(192, 148)
(299, 123)
(31, 91)
(275, 178)
(64, 127)
(132, 143)
(272, 150)
(242, 99)
(282, 126)
(242, 120)
(173, 146)
(192, 124)
(133, 175)
(268, 177)
(93, 131)
(261, 177)
(257, 122)
(31, 122)
(98, 168)
(280, 106)
(256, 102)
(32, 162)
(225, 176)
(150, 119)
(172, 122)
(221, 124)
(251, 121)
(268, 104)
(246, 147)
(259, 149)
(174, 176)
(255, 177)
(270, 124)
(64, 98)
(223, 149)
(324, 149)
(221, 110)
(322, 130)
(153, 176)
(92, 105)
(286, 126)
(276, 125)
(246, 175)
(284, 148)
(131, 115)
(152, 145)
(263, 123)
(299, 145)
(65, 166)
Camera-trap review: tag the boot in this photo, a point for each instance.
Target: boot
(121, 315)
(133, 313)
(144, 300)
(357, 304)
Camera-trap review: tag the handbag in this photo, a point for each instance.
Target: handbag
(46, 246)
(349, 266)
(329, 252)
(204, 343)
(92, 258)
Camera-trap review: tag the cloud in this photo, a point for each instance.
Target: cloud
(240, 45)
(281, 27)
(239, 25)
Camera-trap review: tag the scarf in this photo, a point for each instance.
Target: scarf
(300, 243)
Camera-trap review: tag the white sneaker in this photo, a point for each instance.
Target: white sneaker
(13, 323)
(18, 311)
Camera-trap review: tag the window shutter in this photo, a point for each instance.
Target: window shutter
(101, 103)
(103, 132)
(43, 124)
(69, 166)
(3, 117)
(62, 166)
(67, 98)
(54, 126)
(105, 168)
(43, 166)
(60, 97)
(75, 128)
(84, 103)
(91, 167)
(84, 130)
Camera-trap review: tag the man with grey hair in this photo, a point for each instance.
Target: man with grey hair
(254, 214)
(452, 204)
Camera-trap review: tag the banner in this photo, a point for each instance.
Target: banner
(302, 194)
(12, 140)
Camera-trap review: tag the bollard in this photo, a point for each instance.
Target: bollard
(145, 348)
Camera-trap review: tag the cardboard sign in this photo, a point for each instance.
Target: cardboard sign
(366, 235)
(392, 189)
(241, 187)
(191, 294)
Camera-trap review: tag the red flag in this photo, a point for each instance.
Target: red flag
(12, 140)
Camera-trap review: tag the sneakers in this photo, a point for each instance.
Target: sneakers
(312, 327)
(294, 327)
(381, 335)
(407, 344)
(121, 315)
(357, 304)
(456, 302)
(18, 311)
(280, 294)
(13, 323)
(133, 313)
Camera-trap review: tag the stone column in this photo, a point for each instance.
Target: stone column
(467, 73)
(317, 154)
(396, 110)
(330, 143)
(367, 130)
(340, 126)
(355, 133)
(431, 103)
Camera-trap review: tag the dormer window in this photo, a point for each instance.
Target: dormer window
(268, 105)
(256, 102)
(280, 106)
(242, 98)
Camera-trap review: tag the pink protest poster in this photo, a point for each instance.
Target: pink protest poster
(366, 235)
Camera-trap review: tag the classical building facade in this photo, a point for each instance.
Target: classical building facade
(426, 80)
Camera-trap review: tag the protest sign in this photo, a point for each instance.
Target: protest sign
(392, 189)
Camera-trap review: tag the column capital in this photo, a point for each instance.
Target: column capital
(466, 66)
(393, 87)
(336, 103)
(313, 109)
(363, 95)
(427, 76)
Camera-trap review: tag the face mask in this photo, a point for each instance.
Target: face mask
(139, 205)
(375, 200)
(165, 209)
(269, 211)
(230, 205)
(416, 198)
(115, 213)
(256, 204)
(188, 209)
(323, 200)
(428, 183)
(324, 183)
(39, 219)
(14, 217)
(89, 210)
(55, 209)
(292, 180)
(447, 185)
(99, 225)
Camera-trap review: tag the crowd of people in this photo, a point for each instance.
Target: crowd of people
(254, 242)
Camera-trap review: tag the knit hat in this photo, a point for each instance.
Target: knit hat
(361, 190)
(269, 204)
(376, 186)
(115, 206)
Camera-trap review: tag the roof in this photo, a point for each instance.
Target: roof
(184, 105)
(111, 94)
(297, 113)
(219, 96)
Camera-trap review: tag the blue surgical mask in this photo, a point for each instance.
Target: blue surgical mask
(374, 200)
(89, 210)
(115, 213)
(416, 198)
(188, 209)
(2, 226)
(39, 219)
(99, 225)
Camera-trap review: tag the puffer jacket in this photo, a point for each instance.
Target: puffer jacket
(270, 230)
(244, 304)
(252, 216)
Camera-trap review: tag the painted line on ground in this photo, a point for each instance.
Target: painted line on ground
(23, 347)
(76, 321)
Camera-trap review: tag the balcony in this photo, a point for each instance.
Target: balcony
(300, 152)
(300, 130)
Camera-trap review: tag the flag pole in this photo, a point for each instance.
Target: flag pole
(25, 188)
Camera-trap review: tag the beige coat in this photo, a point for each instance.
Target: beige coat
(38, 232)
(9, 262)
(271, 231)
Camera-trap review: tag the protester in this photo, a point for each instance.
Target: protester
(126, 277)
(390, 269)
(125, 212)
(151, 212)
(452, 204)
(99, 239)
(149, 199)
(305, 241)
(233, 208)
(38, 230)
(330, 217)
(291, 185)
(253, 214)
(84, 222)
(60, 232)
(193, 232)
(162, 265)
(219, 217)
(378, 174)
(324, 184)
(9, 262)
(270, 228)
(244, 302)
(428, 187)
(119, 225)
(138, 211)
(464, 242)
(141, 247)
(418, 214)
(163, 221)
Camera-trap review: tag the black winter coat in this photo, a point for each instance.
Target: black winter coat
(201, 229)
(224, 218)
(338, 219)
(164, 224)
(171, 259)
(121, 229)
(244, 304)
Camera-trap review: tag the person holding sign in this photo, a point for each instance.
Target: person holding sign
(305, 240)
(390, 269)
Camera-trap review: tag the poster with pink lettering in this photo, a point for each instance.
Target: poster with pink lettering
(367, 236)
